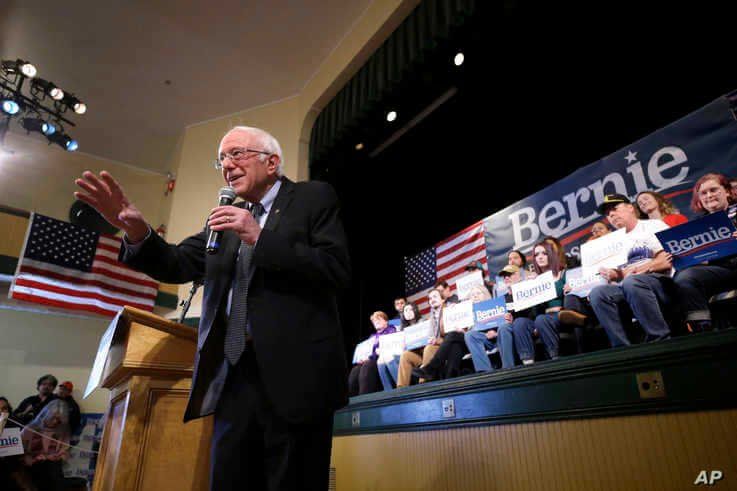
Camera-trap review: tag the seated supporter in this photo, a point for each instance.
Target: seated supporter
(389, 371)
(599, 229)
(399, 304)
(478, 342)
(546, 324)
(364, 376)
(13, 474)
(5, 411)
(447, 361)
(655, 206)
(643, 286)
(696, 284)
(410, 315)
(64, 392)
(577, 310)
(567, 260)
(733, 188)
(479, 266)
(515, 258)
(414, 358)
(32, 405)
(46, 444)
(446, 292)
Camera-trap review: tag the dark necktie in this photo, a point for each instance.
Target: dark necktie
(235, 333)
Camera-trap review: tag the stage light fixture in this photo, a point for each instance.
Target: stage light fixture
(49, 88)
(36, 104)
(64, 141)
(39, 125)
(19, 67)
(458, 60)
(391, 116)
(75, 104)
(10, 107)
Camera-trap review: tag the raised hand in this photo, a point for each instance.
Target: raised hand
(105, 195)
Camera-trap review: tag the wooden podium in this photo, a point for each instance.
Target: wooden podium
(145, 445)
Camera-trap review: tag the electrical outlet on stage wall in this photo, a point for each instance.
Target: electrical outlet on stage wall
(449, 408)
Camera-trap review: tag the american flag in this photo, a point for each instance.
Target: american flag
(66, 266)
(446, 261)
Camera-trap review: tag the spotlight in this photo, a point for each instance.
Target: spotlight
(63, 141)
(37, 124)
(391, 116)
(458, 60)
(26, 103)
(10, 107)
(359, 146)
(75, 104)
(49, 88)
(19, 66)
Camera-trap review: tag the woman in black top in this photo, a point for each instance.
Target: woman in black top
(696, 284)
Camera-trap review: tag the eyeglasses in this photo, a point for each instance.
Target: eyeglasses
(236, 155)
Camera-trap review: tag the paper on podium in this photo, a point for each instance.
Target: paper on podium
(102, 351)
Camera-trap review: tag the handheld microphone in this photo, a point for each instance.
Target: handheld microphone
(226, 197)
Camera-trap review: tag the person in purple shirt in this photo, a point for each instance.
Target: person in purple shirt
(364, 376)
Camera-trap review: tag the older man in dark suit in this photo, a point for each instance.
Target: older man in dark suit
(270, 363)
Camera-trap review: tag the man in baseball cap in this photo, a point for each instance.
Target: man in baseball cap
(641, 285)
(509, 270)
(610, 201)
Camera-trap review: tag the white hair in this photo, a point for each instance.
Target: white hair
(265, 139)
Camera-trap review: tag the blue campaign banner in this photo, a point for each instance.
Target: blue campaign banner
(396, 322)
(489, 314)
(86, 440)
(704, 239)
(668, 161)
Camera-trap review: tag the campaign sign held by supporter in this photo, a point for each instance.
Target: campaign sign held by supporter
(363, 351)
(416, 335)
(10, 442)
(465, 283)
(704, 239)
(458, 317)
(609, 251)
(489, 314)
(529, 293)
(582, 283)
(391, 345)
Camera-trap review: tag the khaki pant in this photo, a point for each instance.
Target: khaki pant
(412, 359)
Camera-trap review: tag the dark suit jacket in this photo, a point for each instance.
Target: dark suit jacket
(301, 261)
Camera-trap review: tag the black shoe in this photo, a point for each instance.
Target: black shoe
(421, 373)
(699, 326)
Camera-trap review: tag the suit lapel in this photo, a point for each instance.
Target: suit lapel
(282, 201)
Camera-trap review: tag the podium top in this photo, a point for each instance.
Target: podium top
(132, 314)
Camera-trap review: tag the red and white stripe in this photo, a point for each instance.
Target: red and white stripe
(109, 286)
(452, 255)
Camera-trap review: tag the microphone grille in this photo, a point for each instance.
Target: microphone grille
(227, 191)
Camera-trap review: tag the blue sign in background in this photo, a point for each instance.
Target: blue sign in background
(668, 161)
(700, 240)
